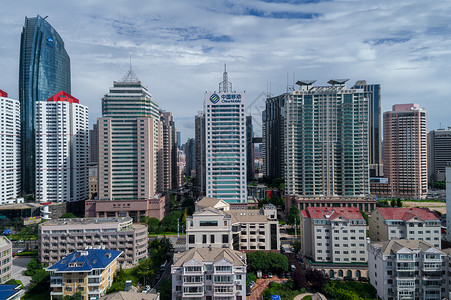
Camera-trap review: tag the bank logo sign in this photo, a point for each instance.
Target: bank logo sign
(214, 98)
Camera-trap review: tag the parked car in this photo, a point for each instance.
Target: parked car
(269, 275)
(348, 278)
(251, 284)
(265, 275)
(248, 291)
(293, 268)
(363, 279)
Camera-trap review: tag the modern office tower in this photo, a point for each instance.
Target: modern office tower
(128, 142)
(200, 179)
(335, 235)
(6, 259)
(225, 139)
(374, 125)
(179, 139)
(439, 154)
(94, 145)
(209, 273)
(10, 187)
(249, 149)
(405, 151)
(448, 201)
(62, 172)
(404, 269)
(90, 272)
(326, 140)
(44, 70)
(273, 137)
(408, 223)
(181, 162)
(167, 164)
(190, 156)
(59, 237)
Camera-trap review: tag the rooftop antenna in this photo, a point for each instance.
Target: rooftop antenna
(130, 62)
(225, 86)
(46, 17)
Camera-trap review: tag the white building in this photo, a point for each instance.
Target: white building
(209, 273)
(334, 234)
(61, 149)
(225, 140)
(407, 269)
(410, 223)
(448, 201)
(10, 149)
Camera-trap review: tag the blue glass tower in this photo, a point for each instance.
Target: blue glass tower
(44, 70)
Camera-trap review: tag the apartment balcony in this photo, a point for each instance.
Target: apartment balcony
(195, 294)
(193, 283)
(56, 283)
(228, 283)
(432, 267)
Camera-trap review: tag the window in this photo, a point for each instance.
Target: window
(208, 223)
(225, 238)
(212, 239)
(204, 239)
(191, 239)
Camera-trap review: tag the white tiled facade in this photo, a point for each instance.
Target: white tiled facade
(209, 273)
(10, 150)
(61, 151)
(6, 259)
(404, 269)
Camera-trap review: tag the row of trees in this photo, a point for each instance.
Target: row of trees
(267, 262)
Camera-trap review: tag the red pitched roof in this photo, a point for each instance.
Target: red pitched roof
(63, 96)
(332, 213)
(406, 213)
(3, 94)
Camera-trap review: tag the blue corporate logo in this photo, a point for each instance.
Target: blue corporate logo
(214, 98)
(50, 40)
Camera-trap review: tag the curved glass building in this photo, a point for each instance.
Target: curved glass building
(44, 70)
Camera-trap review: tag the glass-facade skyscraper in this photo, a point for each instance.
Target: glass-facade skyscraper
(44, 70)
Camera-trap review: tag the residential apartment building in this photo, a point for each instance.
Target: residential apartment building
(59, 237)
(128, 142)
(94, 145)
(200, 170)
(225, 142)
(89, 271)
(93, 181)
(448, 201)
(167, 158)
(209, 273)
(410, 223)
(10, 184)
(334, 234)
(44, 70)
(6, 259)
(439, 154)
(407, 269)
(239, 229)
(405, 151)
(62, 128)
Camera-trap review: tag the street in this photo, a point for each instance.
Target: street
(261, 285)
(19, 266)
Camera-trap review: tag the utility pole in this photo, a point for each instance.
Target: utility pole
(178, 226)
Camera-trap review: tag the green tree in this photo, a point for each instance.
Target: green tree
(68, 216)
(145, 270)
(398, 202)
(277, 262)
(32, 267)
(365, 216)
(296, 244)
(294, 216)
(258, 260)
(393, 203)
(40, 276)
(76, 296)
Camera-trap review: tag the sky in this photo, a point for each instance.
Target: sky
(178, 49)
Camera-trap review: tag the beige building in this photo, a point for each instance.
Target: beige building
(6, 259)
(407, 269)
(93, 181)
(334, 234)
(240, 229)
(412, 223)
(209, 273)
(57, 238)
(90, 272)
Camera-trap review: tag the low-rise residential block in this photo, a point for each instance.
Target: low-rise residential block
(410, 223)
(6, 259)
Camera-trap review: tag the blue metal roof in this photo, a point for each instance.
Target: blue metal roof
(8, 290)
(85, 260)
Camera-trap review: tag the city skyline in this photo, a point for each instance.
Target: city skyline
(179, 51)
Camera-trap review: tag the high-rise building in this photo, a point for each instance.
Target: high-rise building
(405, 151)
(190, 157)
(448, 201)
(374, 129)
(128, 142)
(181, 162)
(273, 119)
(179, 139)
(326, 138)
(225, 139)
(62, 172)
(249, 149)
(200, 178)
(10, 187)
(439, 154)
(167, 160)
(44, 70)
(94, 145)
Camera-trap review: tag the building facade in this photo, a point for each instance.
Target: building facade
(335, 235)
(249, 149)
(411, 223)
(201, 169)
(93, 181)
(448, 201)
(89, 272)
(405, 151)
(225, 141)
(10, 184)
(326, 136)
(439, 154)
(190, 157)
(128, 142)
(407, 269)
(58, 238)
(6, 259)
(167, 159)
(44, 70)
(94, 145)
(209, 273)
(62, 127)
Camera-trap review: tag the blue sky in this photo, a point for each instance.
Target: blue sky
(178, 49)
